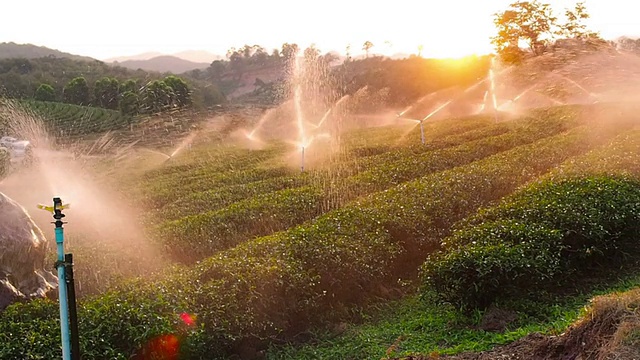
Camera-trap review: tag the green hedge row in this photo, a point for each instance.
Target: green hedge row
(74, 120)
(581, 217)
(539, 239)
(283, 282)
(162, 194)
(216, 198)
(197, 236)
(162, 186)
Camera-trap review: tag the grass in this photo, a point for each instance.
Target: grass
(422, 325)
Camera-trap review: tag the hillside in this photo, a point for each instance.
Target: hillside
(163, 64)
(29, 51)
(197, 56)
(350, 229)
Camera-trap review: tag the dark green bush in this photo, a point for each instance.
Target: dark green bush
(537, 239)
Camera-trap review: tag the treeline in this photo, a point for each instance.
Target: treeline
(102, 85)
(328, 77)
(130, 97)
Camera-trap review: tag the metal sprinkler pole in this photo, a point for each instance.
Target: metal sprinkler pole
(73, 311)
(422, 132)
(56, 209)
(302, 160)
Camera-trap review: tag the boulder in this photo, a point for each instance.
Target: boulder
(24, 273)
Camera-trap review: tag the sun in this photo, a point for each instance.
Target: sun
(452, 47)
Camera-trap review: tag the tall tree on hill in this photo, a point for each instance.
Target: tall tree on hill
(129, 103)
(77, 91)
(157, 96)
(129, 85)
(289, 52)
(534, 24)
(216, 70)
(180, 90)
(367, 46)
(106, 92)
(575, 26)
(45, 92)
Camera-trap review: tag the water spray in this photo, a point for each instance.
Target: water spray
(66, 286)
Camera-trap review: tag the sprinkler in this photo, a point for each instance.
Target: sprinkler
(66, 287)
(422, 132)
(302, 160)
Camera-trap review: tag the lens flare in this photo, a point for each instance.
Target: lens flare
(163, 347)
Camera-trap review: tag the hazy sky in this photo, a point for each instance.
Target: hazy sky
(104, 29)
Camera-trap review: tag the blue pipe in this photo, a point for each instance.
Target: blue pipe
(62, 291)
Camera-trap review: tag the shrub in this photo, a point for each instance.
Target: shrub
(536, 239)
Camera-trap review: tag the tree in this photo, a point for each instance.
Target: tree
(311, 54)
(106, 92)
(367, 46)
(216, 70)
(530, 22)
(180, 90)
(76, 91)
(157, 96)
(129, 85)
(420, 48)
(129, 103)
(45, 92)
(628, 44)
(575, 27)
(289, 52)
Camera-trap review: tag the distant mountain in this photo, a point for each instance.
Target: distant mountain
(143, 56)
(29, 51)
(198, 56)
(165, 63)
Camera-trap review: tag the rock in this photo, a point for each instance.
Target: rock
(23, 247)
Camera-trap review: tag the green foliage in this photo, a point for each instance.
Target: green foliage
(21, 77)
(129, 85)
(199, 235)
(76, 91)
(422, 327)
(129, 103)
(72, 120)
(156, 97)
(540, 238)
(535, 24)
(274, 287)
(180, 90)
(106, 92)
(45, 92)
